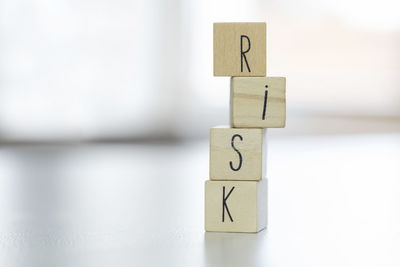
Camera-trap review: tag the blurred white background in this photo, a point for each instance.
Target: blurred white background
(105, 109)
(84, 70)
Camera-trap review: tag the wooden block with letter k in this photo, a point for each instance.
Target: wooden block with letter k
(235, 206)
(240, 49)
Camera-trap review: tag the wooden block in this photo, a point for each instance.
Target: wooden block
(258, 102)
(237, 154)
(240, 49)
(236, 206)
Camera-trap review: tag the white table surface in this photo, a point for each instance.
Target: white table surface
(333, 201)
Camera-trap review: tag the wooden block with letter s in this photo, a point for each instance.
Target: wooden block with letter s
(236, 206)
(237, 154)
(240, 49)
(258, 102)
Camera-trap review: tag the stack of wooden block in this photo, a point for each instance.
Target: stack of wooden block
(236, 194)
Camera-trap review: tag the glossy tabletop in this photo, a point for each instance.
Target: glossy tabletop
(334, 200)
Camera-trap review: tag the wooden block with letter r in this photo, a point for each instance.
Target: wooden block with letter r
(240, 49)
(258, 102)
(236, 206)
(237, 154)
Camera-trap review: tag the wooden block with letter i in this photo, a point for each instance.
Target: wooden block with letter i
(240, 49)
(258, 102)
(237, 154)
(236, 206)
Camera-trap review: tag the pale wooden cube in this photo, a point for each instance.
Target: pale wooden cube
(258, 102)
(236, 206)
(240, 49)
(237, 154)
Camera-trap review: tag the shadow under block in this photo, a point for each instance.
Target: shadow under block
(258, 102)
(236, 206)
(240, 49)
(237, 154)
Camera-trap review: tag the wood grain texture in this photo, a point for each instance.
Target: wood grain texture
(246, 203)
(248, 101)
(225, 161)
(229, 43)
